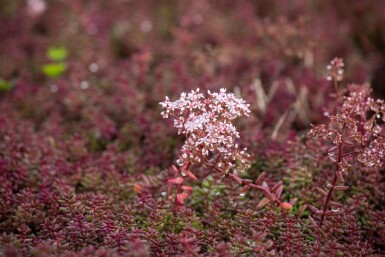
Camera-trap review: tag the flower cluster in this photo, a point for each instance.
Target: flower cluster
(206, 123)
(335, 70)
(373, 154)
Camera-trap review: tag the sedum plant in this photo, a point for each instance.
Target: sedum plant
(206, 123)
(352, 135)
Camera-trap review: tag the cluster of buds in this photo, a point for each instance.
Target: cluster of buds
(353, 135)
(335, 70)
(206, 124)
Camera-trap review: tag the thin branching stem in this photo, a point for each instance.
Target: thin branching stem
(328, 197)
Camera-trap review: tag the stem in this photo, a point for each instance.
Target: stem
(339, 93)
(234, 177)
(336, 87)
(333, 185)
(276, 199)
(179, 188)
(347, 154)
(176, 195)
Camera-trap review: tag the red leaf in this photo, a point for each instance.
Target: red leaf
(279, 191)
(177, 180)
(341, 188)
(266, 192)
(264, 185)
(312, 221)
(236, 178)
(334, 212)
(321, 190)
(260, 178)
(174, 169)
(180, 198)
(293, 201)
(339, 176)
(187, 188)
(191, 175)
(265, 201)
(315, 210)
(276, 186)
(335, 204)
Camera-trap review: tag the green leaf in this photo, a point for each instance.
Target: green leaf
(54, 70)
(196, 224)
(5, 86)
(207, 182)
(57, 53)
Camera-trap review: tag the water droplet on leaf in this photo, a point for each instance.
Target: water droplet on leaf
(336, 209)
(179, 162)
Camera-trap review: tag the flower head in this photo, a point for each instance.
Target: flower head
(206, 123)
(335, 70)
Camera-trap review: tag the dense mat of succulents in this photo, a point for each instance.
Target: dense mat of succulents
(89, 167)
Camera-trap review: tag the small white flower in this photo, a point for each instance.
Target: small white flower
(207, 125)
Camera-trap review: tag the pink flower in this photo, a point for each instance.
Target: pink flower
(206, 123)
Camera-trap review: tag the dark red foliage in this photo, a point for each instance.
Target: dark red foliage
(86, 160)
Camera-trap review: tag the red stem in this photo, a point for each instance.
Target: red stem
(240, 179)
(333, 184)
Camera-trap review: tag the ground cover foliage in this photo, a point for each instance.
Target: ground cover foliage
(89, 167)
